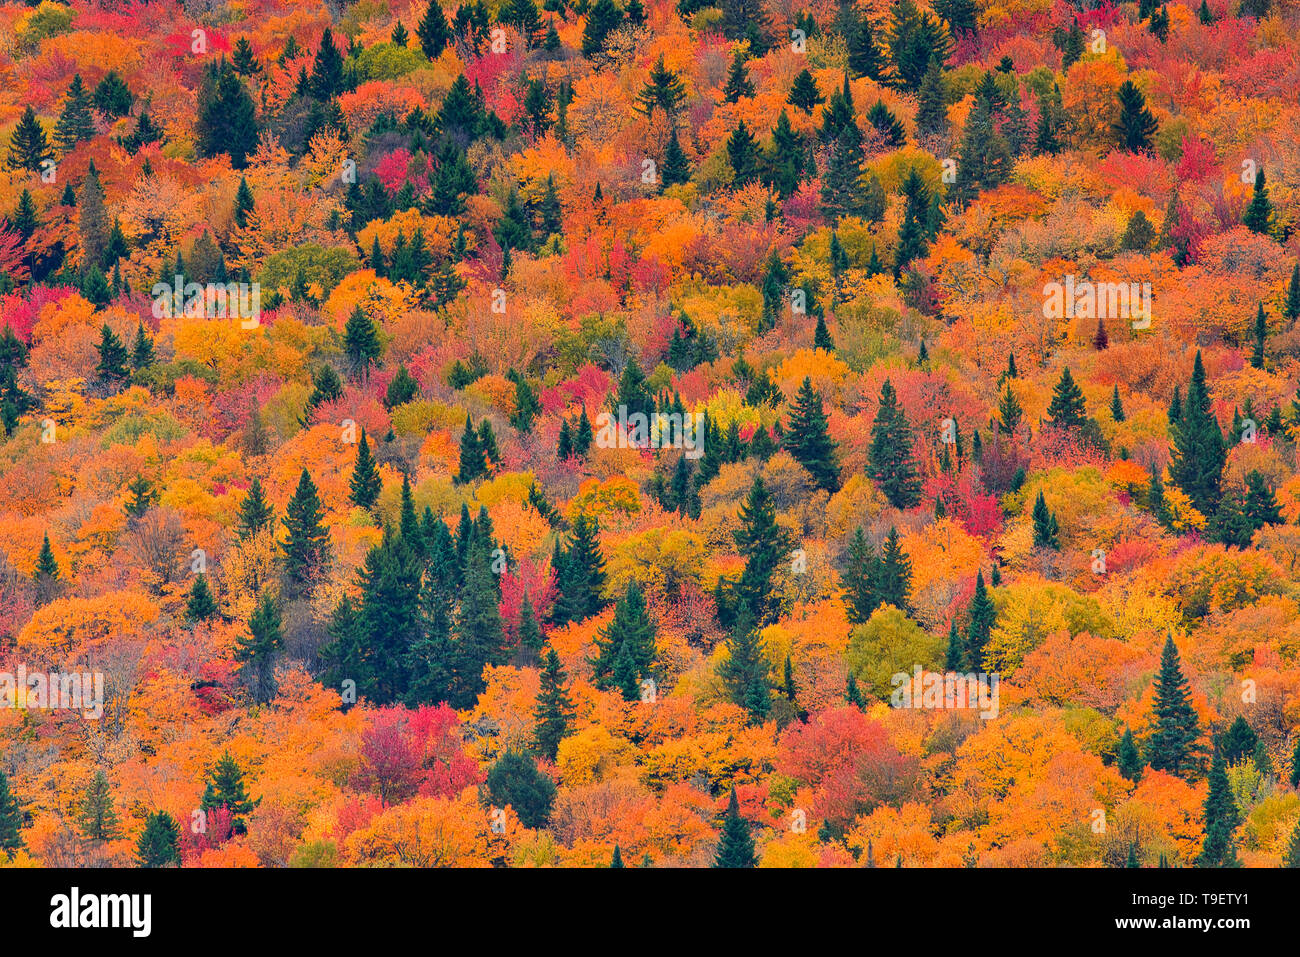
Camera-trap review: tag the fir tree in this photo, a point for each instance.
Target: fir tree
(28, 145)
(113, 357)
(1172, 746)
(764, 545)
(11, 818)
(159, 842)
(982, 615)
(227, 116)
(1260, 506)
(1259, 213)
(47, 568)
(932, 109)
(1261, 334)
(743, 155)
(96, 818)
(736, 844)
(803, 92)
(1291, 304)
(744, 673)
(1139, 234)
(738, 84)
(432, 31)
(361, 340)
(581, 573)
(554, 710)
(890, 454)
(1198, 453)
(75, 122)
(224, 788)
(473, 460)
(617, 860)
(1066, 409)
(1221, 819)
(200, 606)
(1116, 406)
(603, 18)
(860, 577)
(256, 651)
(808, 439)
(255, 512)
(1238, 742)
(515, 780)
(676, 168)
(1292, 856)
(142, 497)
(365, 484)
(1127, 760)
(1046, 529)
(626, 649)
(306, 544)
(1009, 411)
(242, 58)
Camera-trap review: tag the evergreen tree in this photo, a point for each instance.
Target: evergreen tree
(200, 606)
(1198, 452)
(327, 78)
(96, 818)
(663, 90)
(1127, 760)
(859, 578)
(365, 484)
(738, 84)
(515, 780)
(982, 616)
(554, 711)
(224, 787)
(803, 92)
(1221, 819)
(887, 125)
(1261, 506)
(113, 357)
(1009, 411)
(473, 461)
(1066, 409)
(256, 651)
(736, 844)
(676, 168)
(808, 439)
(1261, 334)
(744, 673)
(743, 155)
(984, 155)
(306, 545)
(894, 573)
(864, 54)
(75, 122)
(890, 454)
(617, 859)
(626, 649)
(11, 818)
(913, 241)
(581, 575)
(159, 842)
(432, 31)
(932, 109)
(28, 145)
(1173, 746)
(1046, 529)
(1116, 406)
(142, 497)
(242, 59)
(47, 568)
(361, 340)
(1238, 742)
(764, 545)
(1139, 234)
(227, 116)
(92, 221)
(602, 19)
(255, 512)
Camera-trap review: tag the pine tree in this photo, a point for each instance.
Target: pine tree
(932, 109)
(1198, 453)
(432, 31)
(744, 673)
(982, 616)
(1172, 746)
(1046, 529)
(864, 54)
(851, 693)
(28, 145)
(764, 545)
(1066, 409)
(738, 84)
(1116, 406)
(11, 818)
(984, 155)
(1295, 766)
(75, 122)
(554, 711)
(1259, 213)
(224, 788)
(581, 573)
(887, 125)
(256, 651)
(365, 484)
(736, 844)
(114, 360)
(244, 204)
(159, 842)
(47, 568)
(1221, 819)
(808, 439)
(255, 513)
(1009, 411)
(894, 573)
(860, 577)
(92, 221)
(306, 546)
(200, 606)
(1127, 760)
(890, 454)
(96, 818)
(803, 92)
(227, 116)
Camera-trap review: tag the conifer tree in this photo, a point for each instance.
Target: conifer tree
(200, 606)
(764, 545)
(1292, 856)
(1291, 304)
(736, 844)
(743, 155)
(1046, 529)
(92, 221)
(738, 84)
(256, 651)
(114, 360)
(894, 573)
(803, 92)
(932, 109)
(97, 819)
(225, 787)
(581, 574)
(1135, 125)
(47, 568)
(360, 340)
(1009, 411)
(28, 145)
(745, 671)
(1116, 406)
(554, 710)
(432, 30)
(75, 122)
(1221, 819)
(159, 844)
(859, 578)
(473, 460)
(603, 18)
(255, 512)
(227, 116)
(1259, 213)
(1127, 760)
(808, 439)
(626, 649)
(982, 617)
(142, 497)
(890, 455)
(11, 818)
(1172, 746)
(1139, 234)
(676, 167)
(1198, 453)
(1066, 409)
(864, 54)
(365, 484)
(306, 545)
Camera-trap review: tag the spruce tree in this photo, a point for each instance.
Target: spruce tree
(159, 844)
(764, 545)
(75, 122)
(11, 818)
(224, 788)
(1292, 856)
(255, 512)
(1116, 406)
(28, 145)
(982, 616)
(1261, 334)
(860, 577)
(306, 545)
(1291, 304)
(1009, 411)
(114, 359)
(365, 484)
(1135, 125)
(894, 573)
(47, 568)
(1046, 529)
(432, 31)
(803, 92)
(1198, 453)
(361, 340)
(227, 116)
(1221, 819)
(473, 460)
(1127, 760)
(1172, 746)
(808, 439)
(626, 649)
(745, 671)
(256, 651)
(890, 454)
(516, 781)
(1259, 213)
(736, 844)
(1066, 409)
(932, 108)
(200, 606)
(676, 168)
(738, 84)
(554, 710)
(1238, 742)
(96, 818)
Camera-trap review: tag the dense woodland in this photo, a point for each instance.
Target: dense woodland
(372, 580)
